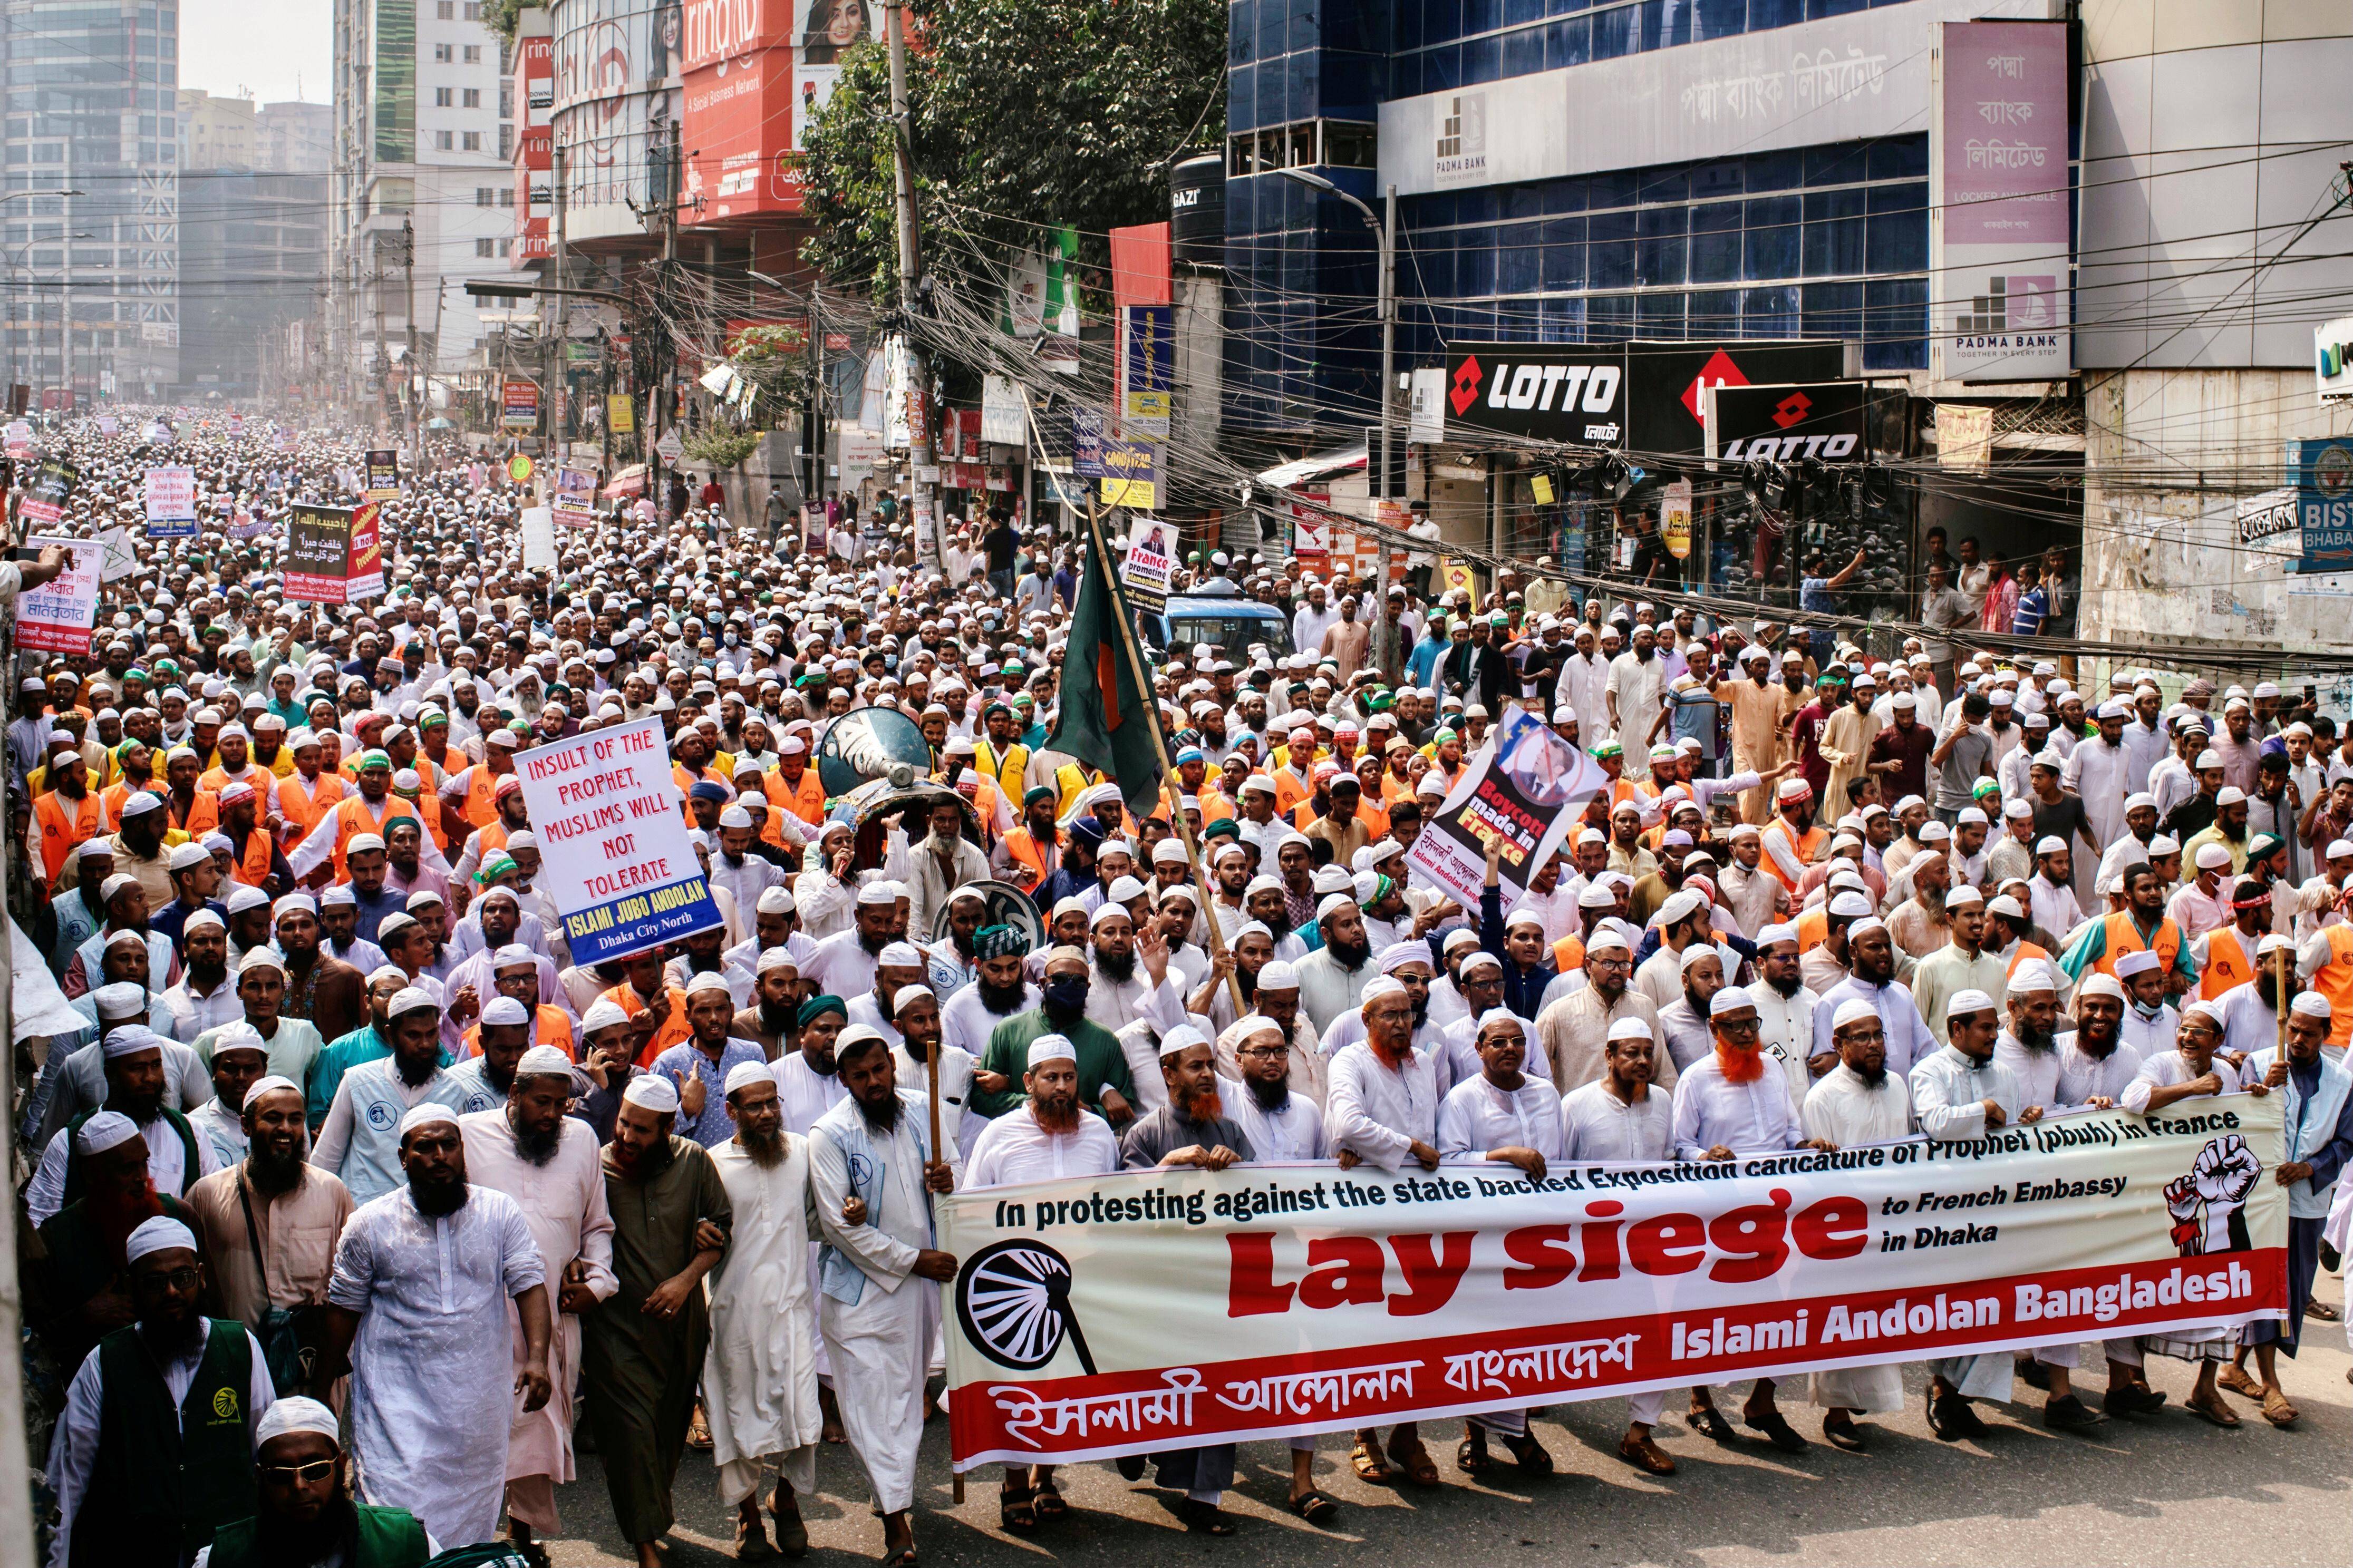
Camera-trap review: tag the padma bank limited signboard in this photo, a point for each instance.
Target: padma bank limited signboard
(1841, 78)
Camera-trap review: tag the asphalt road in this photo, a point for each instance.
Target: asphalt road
(2166, 1489)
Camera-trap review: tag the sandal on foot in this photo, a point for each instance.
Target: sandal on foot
(1049, 1504)
(1709, 1422)
(903, 1558)
(792, 1533)
(2216, 1412)
(1645, 1455)
(1314, 1507)
(1470, 1455)
(1203, 1517)
(1371, 1467)
(1529, 1454)
(1842, 1434)
(1776, 1430)
(2239, 1381)
(1415, 1461)
(2278, 1410)
(751, 1541)
(2322, 1310)
(1015, 1510)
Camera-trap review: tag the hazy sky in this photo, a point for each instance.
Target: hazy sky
(279, 48)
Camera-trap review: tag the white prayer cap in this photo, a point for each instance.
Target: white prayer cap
(2140, 798)
(2212, 856)
(736, 817)
(1853, 1010)
(2097, 984)
(2211, 1012)
(1498, 1015)
(1112, 907)
(2004, 905)
(2033, 975)
(410, 999)
(130, 1040)
(2053, 845)
(1184, 1036)
(1629, 1028)
(602, 1014)
(426, 1115)
(775, 901)
(1865, 926)
(514, 952)
(295, 1413)
(878, 894)
(1780, 931)
(121, 999)
(1964, 1002)
(2140, 961)
(1693, 954)
(741, 1074)
(115, 884)
(361, 841)
(1279, 974)
(2311, 1003)
(1933, 832)
(291, 902)
(1606, 939)
(1963, 898)
(158, 1235)
(1851, 905)
(1049, 1048)
(2164, 844)
(899, 955)
(239, 1037)
(503, 1012)
(1524, 916)
(182, 856)
(1332, 904)
(105, 1130)
(520, 838)
(777, 958)
(1397, 955)
(654, 1092)
(269, 1084)
(1729, 999)
(710, 980)
(1380, 987)
(2230, 795)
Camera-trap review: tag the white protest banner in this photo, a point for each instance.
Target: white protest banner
(539, 538)
(109, 426)
(1167, 1308)
(612, 835)
(171, 503)
(121, 555)
(56, 616)
(1526, 783)
(19, 438)
(1151, 557)
(576, 498)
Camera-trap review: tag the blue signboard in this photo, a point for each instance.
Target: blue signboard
(2322, 472)
(1086, 443)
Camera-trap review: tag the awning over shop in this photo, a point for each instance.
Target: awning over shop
(629, 482)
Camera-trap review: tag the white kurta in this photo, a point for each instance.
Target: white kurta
(1015, 1148)
(432, 1390)
(1948, 1096)
(759, 1378)
(1475, 1116)
(1598, 1125)
(1376, 1114)
(966, 1021)
(1711, 1110)
(1294, 1132)
(1844, 1110)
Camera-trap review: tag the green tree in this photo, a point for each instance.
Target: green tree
(1023, 115)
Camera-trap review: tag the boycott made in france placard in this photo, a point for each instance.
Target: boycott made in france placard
(613, 840)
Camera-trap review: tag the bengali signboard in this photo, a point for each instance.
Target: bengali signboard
(45, 498)
(519, 405)
(1527, 785)
(1167, 1308)
(170, 502)
(56, 616)
(618, 861)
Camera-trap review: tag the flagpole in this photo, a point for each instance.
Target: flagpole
(1160, 748)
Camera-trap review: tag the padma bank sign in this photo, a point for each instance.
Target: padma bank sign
(1459, 155)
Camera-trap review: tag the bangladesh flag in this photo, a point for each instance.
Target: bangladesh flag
(1106, 720)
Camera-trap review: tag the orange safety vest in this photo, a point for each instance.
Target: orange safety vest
(2026, 950)
(1289, 791)
(1814, 928)
(60, 833)
(805, 800)
(203, 812)
(429, 812)
(491, 840)
(2334, 981)
(352, 818)
(1568, 954)
(669, 1035)
(1806, 848)
(482, 807)
(302, 807)
(115, 794)
(1021, 847)
(2228, 963)
(2120, 938)
(549, 1026)
(253, 861)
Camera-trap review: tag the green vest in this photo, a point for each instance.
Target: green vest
(189, 1172)
(386, 1538)
(163, 1481)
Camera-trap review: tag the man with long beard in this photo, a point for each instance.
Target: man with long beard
(1857, 1101)
(547, 1162)
(1382, 1111)
(774, 1018)
(1872, 955)
(998, 991)
(877, 1309)
(417, 1310)
(1130, 979)
(1063, 1008)
(132, 1058)
(843, 964)
(1732, 1102)
(759, 1378)
(81, 1293)
(643, 1346)
(1332, 978)
(358, 1139)
(270, 1224)
(305, 1517)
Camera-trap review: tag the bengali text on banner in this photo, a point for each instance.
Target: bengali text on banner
(1168, 1309)
(613, 842)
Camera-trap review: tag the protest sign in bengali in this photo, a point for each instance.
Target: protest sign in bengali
(318, 553)
(575, 498)
(538, 540)
(56, 616)
(1172, 1308)
(45, 495)
(612, 838)
(170, 502)
(19, 438)
(1527, 784)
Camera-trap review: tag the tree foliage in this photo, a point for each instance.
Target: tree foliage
(1024, 116)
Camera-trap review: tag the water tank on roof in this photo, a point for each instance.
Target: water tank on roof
(1197, 210)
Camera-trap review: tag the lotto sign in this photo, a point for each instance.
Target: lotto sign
(171, 503)
(56, 617)
(618, 861)
(1148, 1310)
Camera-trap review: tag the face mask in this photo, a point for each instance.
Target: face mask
(2148, 1012)
(1067, 994)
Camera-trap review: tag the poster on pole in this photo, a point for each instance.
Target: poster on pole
(170, 503)
(1151, 1311)
(519, 405)
(45, 497)
(1528, 786)
(56, 616)
(575, 502)
(618, 861)
(318, 553)
(1150, 559)
(383, 479)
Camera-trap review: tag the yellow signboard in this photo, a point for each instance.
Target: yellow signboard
(620, 414)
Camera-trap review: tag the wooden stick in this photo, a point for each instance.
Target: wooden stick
(2279, 998)
(1167, 772)
(932, 1080)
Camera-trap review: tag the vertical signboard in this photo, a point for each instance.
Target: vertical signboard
(534, 91)
(2323, 471)
(363, 565)
(519, 405)
(318, 553)
(1147, 370)
(1999, 252)
(171, 494)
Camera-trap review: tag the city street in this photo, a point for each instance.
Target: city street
(2168, 1489)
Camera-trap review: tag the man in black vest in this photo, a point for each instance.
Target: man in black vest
(306, 1516)
(154, 1448)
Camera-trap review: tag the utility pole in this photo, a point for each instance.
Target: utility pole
(664, 356)
(412, 394)
(382, 364)
(911, 271)
(559, 383)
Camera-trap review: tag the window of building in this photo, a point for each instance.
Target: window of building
(442, 140)
(441, 54)
(446, 10)
(506, 247)
(506, 100)
(473, 10)
(473, 54)
(474, 141)
(473, 98)
(482, 196)
(506, 144)
(506, 196)
(485, 247)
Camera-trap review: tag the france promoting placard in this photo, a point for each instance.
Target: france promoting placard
(613, 843)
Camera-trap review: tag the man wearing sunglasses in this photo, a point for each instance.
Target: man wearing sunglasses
(305, 1517)
(155, 1449)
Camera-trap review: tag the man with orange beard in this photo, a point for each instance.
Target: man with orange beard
(82, 1291)
(1734, 1102)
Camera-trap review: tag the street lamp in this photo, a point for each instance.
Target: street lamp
(1385, 235)
(18, 264)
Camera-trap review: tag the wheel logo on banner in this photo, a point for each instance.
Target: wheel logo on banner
(1014, 1300)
